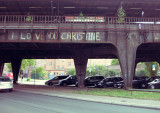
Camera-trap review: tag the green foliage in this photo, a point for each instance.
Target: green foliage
(9, 66)
(28, 79)
(115, 62)
(96, 70)
(71, 72)
(121, 93)
(140, 73)
(81, 14)
(39, 72)
(24, 64)
(29, 18)
(121, 14)
(140, 63)
(112, 73)
(27, 62)
(148, 68)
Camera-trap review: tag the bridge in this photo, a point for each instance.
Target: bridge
(41, 36)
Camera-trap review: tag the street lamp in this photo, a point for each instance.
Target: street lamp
(34, 74)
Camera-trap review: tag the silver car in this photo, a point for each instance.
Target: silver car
(6, 84)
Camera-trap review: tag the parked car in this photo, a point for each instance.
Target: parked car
(70, 80)
(10, 75)
(138, 82)
(55, 80)
(6, 84)
(109, 82)
(92, 80)
(154, 84)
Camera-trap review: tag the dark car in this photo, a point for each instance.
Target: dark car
(92, 80)
(154, 84)
(138, 82)
(70, 80)
(55, 80)
(109, 82)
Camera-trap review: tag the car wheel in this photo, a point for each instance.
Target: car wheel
(64, 84)
(143, 86)
(50, 84)
(10, 90)
(95, 85)
(152, 87)
(104, 86)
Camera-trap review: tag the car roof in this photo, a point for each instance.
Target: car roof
(4, 77)
(113, 77)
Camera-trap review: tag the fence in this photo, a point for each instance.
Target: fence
(74, 19)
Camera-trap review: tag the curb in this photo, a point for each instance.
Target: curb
(90, 100)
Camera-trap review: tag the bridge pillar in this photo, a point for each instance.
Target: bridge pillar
(80, 65)
(135, 67)
(1, 67)
(16, 64)
(127, 47)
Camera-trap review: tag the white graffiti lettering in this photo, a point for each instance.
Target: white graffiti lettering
(39, 36)
(52, 35)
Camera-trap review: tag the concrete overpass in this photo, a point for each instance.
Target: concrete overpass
(134, 40)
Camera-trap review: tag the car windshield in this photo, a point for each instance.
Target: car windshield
(5, 79)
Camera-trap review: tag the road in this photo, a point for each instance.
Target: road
(20, 102)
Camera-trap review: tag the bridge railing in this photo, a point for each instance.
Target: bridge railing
(71, 19)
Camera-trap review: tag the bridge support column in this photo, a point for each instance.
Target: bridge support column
(135, 67)
(1, 67)
(127, 56)
(80, 65)
(127, 63)
(16, 64)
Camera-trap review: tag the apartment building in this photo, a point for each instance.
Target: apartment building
(60, 66)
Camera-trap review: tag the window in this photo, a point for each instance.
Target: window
(50, 63)
(69, 63)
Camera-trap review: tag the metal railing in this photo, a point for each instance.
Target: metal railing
(63, 19)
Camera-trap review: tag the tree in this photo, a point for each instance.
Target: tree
(9, 66)
(24, 64)
(112, 73)
(141, 73)
(27, 62)
(81, 14)
(115, 62)
(149, 68)
(71, 71)
(96, 70)
(28, 18)
(121, 14)
(39, 72)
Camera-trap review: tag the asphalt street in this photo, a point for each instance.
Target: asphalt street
(20, 102)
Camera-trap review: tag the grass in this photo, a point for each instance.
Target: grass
(122, 93)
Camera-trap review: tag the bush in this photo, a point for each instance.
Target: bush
(112, 73)
(140, 73)
(28, 79)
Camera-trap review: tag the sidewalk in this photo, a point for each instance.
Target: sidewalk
(64, 93)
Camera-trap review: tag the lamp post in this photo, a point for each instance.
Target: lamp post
(34, 74)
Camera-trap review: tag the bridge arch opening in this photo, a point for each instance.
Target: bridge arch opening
(147, 62)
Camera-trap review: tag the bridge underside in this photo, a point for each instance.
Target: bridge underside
(56, 50)
(133, 8)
